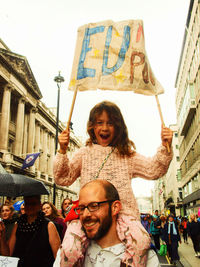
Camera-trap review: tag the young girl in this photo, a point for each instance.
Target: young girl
(110, 155)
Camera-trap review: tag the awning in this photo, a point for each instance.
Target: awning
(192, 197)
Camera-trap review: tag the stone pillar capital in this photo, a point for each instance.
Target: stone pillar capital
(8, 87)
(33, 110)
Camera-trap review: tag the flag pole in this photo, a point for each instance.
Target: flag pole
(72, 107)
(161, 117)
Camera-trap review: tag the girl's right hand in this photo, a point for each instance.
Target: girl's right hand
(63, 140)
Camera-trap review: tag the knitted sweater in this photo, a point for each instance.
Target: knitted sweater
(119, 170)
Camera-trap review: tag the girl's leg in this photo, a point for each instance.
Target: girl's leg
(74, 245)
(136, 240)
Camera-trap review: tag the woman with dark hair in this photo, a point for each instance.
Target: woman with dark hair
(109, 154)
(34, 239)
(53, 215)
(65, 205)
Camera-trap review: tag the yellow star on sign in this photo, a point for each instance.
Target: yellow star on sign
(117, 34)
(120, 77)
(72, 83)
(96, 53)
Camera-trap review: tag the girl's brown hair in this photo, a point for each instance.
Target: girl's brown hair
(121, 140)
(55, 213)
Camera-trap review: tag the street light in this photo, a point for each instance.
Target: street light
(58, 79)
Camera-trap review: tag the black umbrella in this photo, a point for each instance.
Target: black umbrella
(15, 185)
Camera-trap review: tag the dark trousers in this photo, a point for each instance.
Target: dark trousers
(173, 251)
(156, 239)
(196, 242)
(185, 235)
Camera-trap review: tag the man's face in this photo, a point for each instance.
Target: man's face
(96, 224)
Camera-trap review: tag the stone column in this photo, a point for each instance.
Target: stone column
(52, 151)
(19, 127)
(37, 142)
(5, 118)
(43, 162)
(31, 131)
(25, 136)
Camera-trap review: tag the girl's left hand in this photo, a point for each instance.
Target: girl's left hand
(166, 136)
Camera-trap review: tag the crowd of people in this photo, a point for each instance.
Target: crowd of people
(40, 225)
(169, 230)
(108, 223)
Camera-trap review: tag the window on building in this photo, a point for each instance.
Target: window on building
(176, 146)
(176, 134)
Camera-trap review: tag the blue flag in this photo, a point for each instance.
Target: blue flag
(30, 160)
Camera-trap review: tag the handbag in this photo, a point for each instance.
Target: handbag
(163, 250)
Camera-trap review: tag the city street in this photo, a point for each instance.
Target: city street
(187, 258)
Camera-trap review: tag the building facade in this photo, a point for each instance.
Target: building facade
(168, 198)
(188, 110)
(28, 126)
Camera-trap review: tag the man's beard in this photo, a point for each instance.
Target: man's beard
(103, 228)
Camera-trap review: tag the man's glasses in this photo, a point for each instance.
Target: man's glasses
(93, 206)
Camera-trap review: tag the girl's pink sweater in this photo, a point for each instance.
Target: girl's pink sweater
(118, 170)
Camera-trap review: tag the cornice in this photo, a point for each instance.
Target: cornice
(20, 66)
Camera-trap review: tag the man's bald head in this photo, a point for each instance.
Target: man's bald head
(111, 192)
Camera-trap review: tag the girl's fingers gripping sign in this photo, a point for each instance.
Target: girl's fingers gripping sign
(63, 140)
(166, 136)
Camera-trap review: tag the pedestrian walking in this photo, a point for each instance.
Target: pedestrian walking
(193, 227)
(171, 237)
(155, 231)
(184, 230)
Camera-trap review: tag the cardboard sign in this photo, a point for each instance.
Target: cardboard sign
(112, 56)
(8, 261)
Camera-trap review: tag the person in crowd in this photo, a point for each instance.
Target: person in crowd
(99, 207)
(171, 237)
(34, 239)
(155, 231)
(145, 223)
(163, 220)
(9, 218)
(193, 227)
(22, 209)
(183, 229)
(53, 215)
(65, 205)
(110, 154)
(156, 213)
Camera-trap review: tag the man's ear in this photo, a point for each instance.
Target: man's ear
(116, 207)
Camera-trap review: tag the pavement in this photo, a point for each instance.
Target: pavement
(187, 257)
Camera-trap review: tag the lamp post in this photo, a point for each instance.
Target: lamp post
(58, 79)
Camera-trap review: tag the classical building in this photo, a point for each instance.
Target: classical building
(27, 125)
(168, 191)
(144, 204)
(188, 110)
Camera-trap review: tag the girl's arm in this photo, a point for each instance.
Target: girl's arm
(153, 167)
(150, 168)
(66, 172)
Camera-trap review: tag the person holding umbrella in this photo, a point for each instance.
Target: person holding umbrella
(34, 239)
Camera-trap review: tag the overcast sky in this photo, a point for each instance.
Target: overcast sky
(45, 31)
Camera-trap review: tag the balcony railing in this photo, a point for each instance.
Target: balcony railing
(188, 116)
